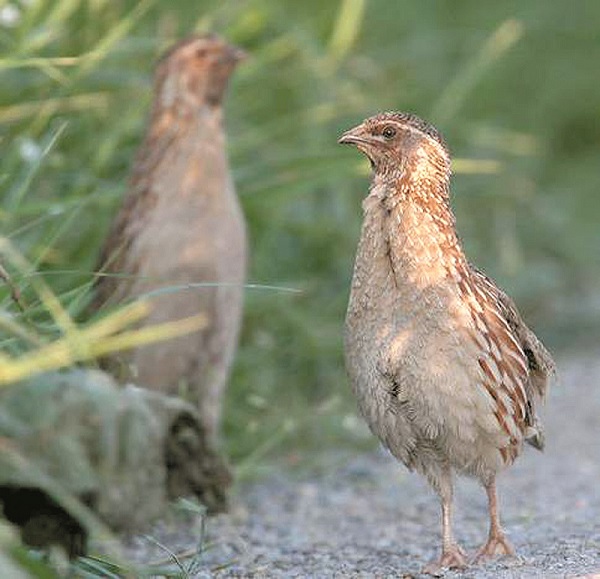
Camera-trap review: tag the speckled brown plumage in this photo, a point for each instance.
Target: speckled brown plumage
(181, 223)
(446, 373)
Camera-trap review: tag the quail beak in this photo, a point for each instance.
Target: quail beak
(359, 137)
(364, 142)
(353, 136)
(231, 56)
(236, 54)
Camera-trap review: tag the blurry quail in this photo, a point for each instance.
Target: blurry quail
(446, 373)
(180, 224)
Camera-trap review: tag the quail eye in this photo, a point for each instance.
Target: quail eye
(389, 132)
(201, 52)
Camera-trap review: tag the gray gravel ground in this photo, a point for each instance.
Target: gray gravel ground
(372, 518)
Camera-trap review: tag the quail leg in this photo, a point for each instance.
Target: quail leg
(453, 557)
(497, 543)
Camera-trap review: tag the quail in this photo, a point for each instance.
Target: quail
(180, 235)
(446, 372)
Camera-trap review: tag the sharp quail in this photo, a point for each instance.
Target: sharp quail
(180, 224)
(446, 373)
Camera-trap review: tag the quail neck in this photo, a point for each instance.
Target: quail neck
(409, 195)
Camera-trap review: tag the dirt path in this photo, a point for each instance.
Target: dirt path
(371, 518)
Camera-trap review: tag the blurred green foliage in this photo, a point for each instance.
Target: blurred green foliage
(513, 86)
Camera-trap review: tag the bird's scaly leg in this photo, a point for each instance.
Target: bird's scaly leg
(497, 543)
(453, 557)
